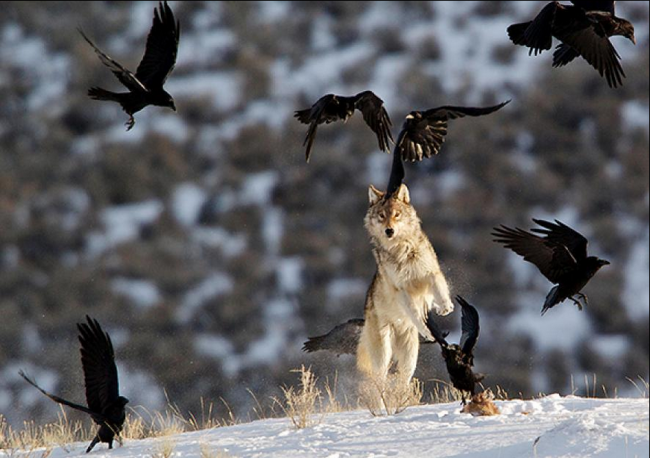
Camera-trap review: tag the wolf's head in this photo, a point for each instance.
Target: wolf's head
(391, 219)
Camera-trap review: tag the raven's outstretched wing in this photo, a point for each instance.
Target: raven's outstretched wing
(423, 133)
(563, 55)
(126, 77)
(98, 361)
(435, 330)
(162, 47)
(594, 46)
(559, 233)
(553, 260)
(96, 415)
(342, 340)
(375, 115)
(396, 174)
(470, 326)
(538, 33)
(325, 110)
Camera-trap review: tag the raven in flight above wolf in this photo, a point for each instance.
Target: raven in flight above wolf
(561, 256)
(146, 86)
(583, 29)
(331, 108)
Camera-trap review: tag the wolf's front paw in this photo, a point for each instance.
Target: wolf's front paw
(443, 309)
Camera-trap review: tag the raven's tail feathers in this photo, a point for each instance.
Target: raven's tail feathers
(314, 344)
(92, 444)
(551, 300)
(97, 93)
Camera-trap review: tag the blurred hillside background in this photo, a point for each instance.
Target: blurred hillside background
(210, 251)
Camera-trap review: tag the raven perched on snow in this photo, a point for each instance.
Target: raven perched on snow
(584, 29)
(105, 405)
(460, 358)
(331, 108)
(146, 86)
(561, 256)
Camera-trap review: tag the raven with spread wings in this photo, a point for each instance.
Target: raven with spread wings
(423, 134)
(583, 29)
(460, 358)
(331, 108)
(561, 256)
(105, 405)
(146, 85)
(342, 340)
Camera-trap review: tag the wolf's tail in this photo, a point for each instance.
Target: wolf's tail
(551, 300)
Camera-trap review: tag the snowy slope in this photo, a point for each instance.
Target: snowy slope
(566, 427)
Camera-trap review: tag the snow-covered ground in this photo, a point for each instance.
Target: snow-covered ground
(548, 427)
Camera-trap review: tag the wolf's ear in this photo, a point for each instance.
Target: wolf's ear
(403, 194)
(375, 195)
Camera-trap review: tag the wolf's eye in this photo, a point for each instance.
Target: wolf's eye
(398, 215)
(382, 216)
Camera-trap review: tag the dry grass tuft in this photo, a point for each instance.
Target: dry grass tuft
(334, 405)
(32, 437)
(642, 386)
(142, 424)
(443, 393)
(390, 396)
(302, 405)
(165, 450)
(139, 424)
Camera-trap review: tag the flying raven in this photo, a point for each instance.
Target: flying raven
(460, 358)
(423, 132)
(583, 29)
(342, 340)
(146, 86)
(105, 405)
(331, 108)
(561, 256)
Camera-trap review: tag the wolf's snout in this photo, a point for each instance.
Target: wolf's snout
(390, 232)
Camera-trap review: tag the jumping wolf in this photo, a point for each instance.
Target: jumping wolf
(408, 284)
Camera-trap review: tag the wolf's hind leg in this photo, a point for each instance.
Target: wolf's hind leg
(407, 346)
(374, 351)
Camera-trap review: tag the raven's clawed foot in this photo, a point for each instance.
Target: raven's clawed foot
(579, 304)
(584, 298)
(576, 302)
(130, 123)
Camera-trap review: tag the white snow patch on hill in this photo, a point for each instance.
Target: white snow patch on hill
(549, 427)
